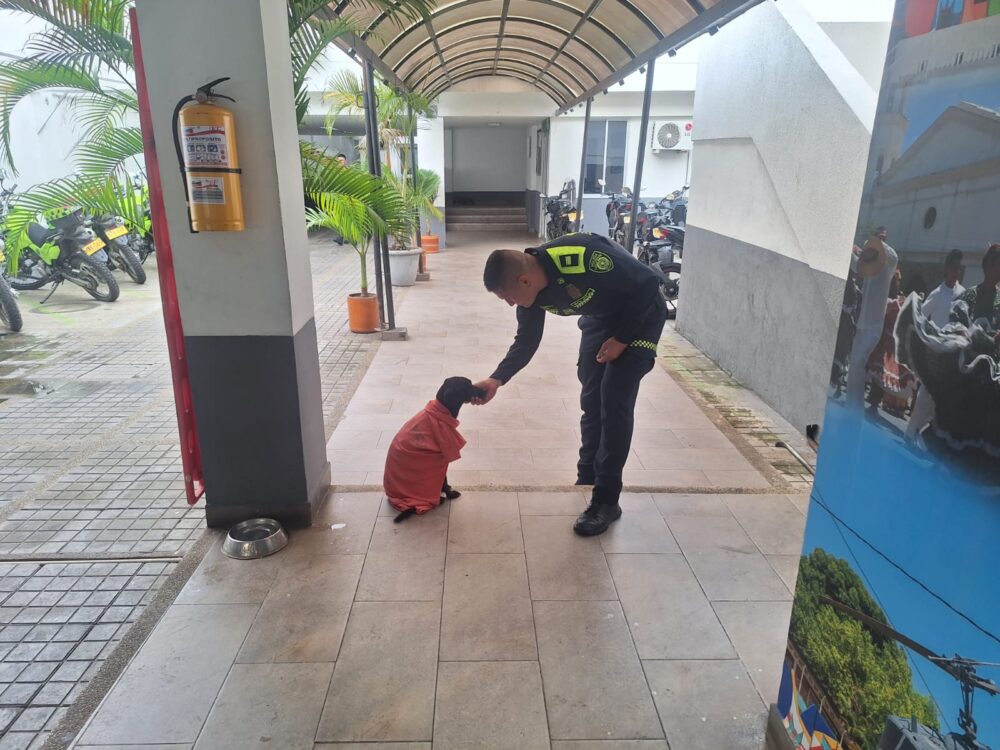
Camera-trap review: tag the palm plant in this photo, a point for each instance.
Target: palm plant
(398, 114)
(355, 204)
(85, 52)
(419, 200)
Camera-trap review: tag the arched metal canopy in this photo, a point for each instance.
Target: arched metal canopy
(569, 49)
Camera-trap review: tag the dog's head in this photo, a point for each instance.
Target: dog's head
(457, 391)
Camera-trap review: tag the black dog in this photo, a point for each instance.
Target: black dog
(403, 459)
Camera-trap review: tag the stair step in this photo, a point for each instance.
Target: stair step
(479, 217)
(490, 226)
(486, 210)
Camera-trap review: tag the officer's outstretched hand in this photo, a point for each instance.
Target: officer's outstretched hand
(490, 385)
(610, 350)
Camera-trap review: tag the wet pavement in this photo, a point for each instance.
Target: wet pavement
(93, 516)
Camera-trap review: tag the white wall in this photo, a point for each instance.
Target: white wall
(781, 138)
(864, 44)
(488, 159)
(43, 127)
(662, 172)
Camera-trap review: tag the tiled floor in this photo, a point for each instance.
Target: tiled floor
(528, 436)
(486, 623)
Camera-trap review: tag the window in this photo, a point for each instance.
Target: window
(605, 156)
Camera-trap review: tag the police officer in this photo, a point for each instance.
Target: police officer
(622, 314)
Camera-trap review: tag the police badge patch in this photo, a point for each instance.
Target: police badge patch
(600, 262)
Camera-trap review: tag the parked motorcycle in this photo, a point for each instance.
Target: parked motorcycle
(10, 315)
(140, 235)
(114, 234)
(68, 250)
(659, 255)
(677, 203)
(619, 213)
(561, 213)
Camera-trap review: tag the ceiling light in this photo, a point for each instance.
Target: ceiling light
(672, 53)
(494, 124)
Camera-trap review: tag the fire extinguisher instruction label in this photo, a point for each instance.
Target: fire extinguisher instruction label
(205, 146)
(208, 190)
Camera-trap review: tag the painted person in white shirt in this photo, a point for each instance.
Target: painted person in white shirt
(937, 308)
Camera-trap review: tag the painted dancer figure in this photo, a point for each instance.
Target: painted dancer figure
(876, 268)
(622, 315)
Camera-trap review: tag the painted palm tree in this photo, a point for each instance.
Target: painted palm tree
(398, 113)
(85, 52)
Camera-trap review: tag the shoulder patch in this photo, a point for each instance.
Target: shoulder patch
(601, 262)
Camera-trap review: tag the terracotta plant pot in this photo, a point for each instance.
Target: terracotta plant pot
(362, 312)
(430, 243)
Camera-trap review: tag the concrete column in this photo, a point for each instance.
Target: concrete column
(246, 297)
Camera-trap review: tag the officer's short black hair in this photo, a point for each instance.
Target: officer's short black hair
(340, 155)
(502, 269)
(954, 259)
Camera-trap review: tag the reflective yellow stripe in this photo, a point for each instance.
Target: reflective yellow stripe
(568, 258)
(643, 344)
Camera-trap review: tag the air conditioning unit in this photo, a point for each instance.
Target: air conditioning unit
(670, 136)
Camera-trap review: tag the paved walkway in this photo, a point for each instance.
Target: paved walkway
(488, 623)
(93, 518)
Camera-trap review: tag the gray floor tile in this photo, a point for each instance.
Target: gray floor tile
(222, 580)
(342, 527)
(667, 611)
(709, 533)
(487, 609)
(267, 706)
(191, 649)
(372, 746)
(498, 705)
(759, 630)
(594, 685)
(562, 565)
(485, 522)
(640, 529)
(304, 615)
(728, 575)
(610, 745)
(676, 506)
(406, 560)
(787, 567)
(383, 684)
(134, 747)
(772, 521)
(552, 503)
(707, 704)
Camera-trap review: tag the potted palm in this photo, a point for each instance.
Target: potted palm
(404, 256)
(428, 185)
(358, 207)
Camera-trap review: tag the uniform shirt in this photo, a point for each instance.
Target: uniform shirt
(588, 275)
(937, 306)
(418, 458)
(983, 305)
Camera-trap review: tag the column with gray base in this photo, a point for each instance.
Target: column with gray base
(245, 297)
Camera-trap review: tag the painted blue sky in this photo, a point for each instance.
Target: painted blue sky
(927, 101)
(941, 529)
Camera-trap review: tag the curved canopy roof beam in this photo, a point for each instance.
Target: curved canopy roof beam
(565, 93)
(507, 53)
(525, 77)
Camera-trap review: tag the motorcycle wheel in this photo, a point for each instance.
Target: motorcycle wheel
(9, 314)
(133, 267)
(29, 259)
(95, 278)
(551, 233)
(670, 286)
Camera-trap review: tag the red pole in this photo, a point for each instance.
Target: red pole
(194, 477)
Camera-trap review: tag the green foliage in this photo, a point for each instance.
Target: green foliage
(866, 675)
(398, 113)
(353, 203)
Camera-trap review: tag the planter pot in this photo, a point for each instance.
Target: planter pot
(431, 243)
(362, 313)
(403, 265)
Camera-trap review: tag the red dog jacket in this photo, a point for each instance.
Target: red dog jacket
(418, 458)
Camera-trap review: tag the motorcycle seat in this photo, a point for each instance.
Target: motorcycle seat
(40, 235)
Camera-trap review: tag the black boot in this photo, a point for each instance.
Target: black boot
(600, 514)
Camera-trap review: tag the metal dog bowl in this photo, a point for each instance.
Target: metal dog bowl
(258, 537)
